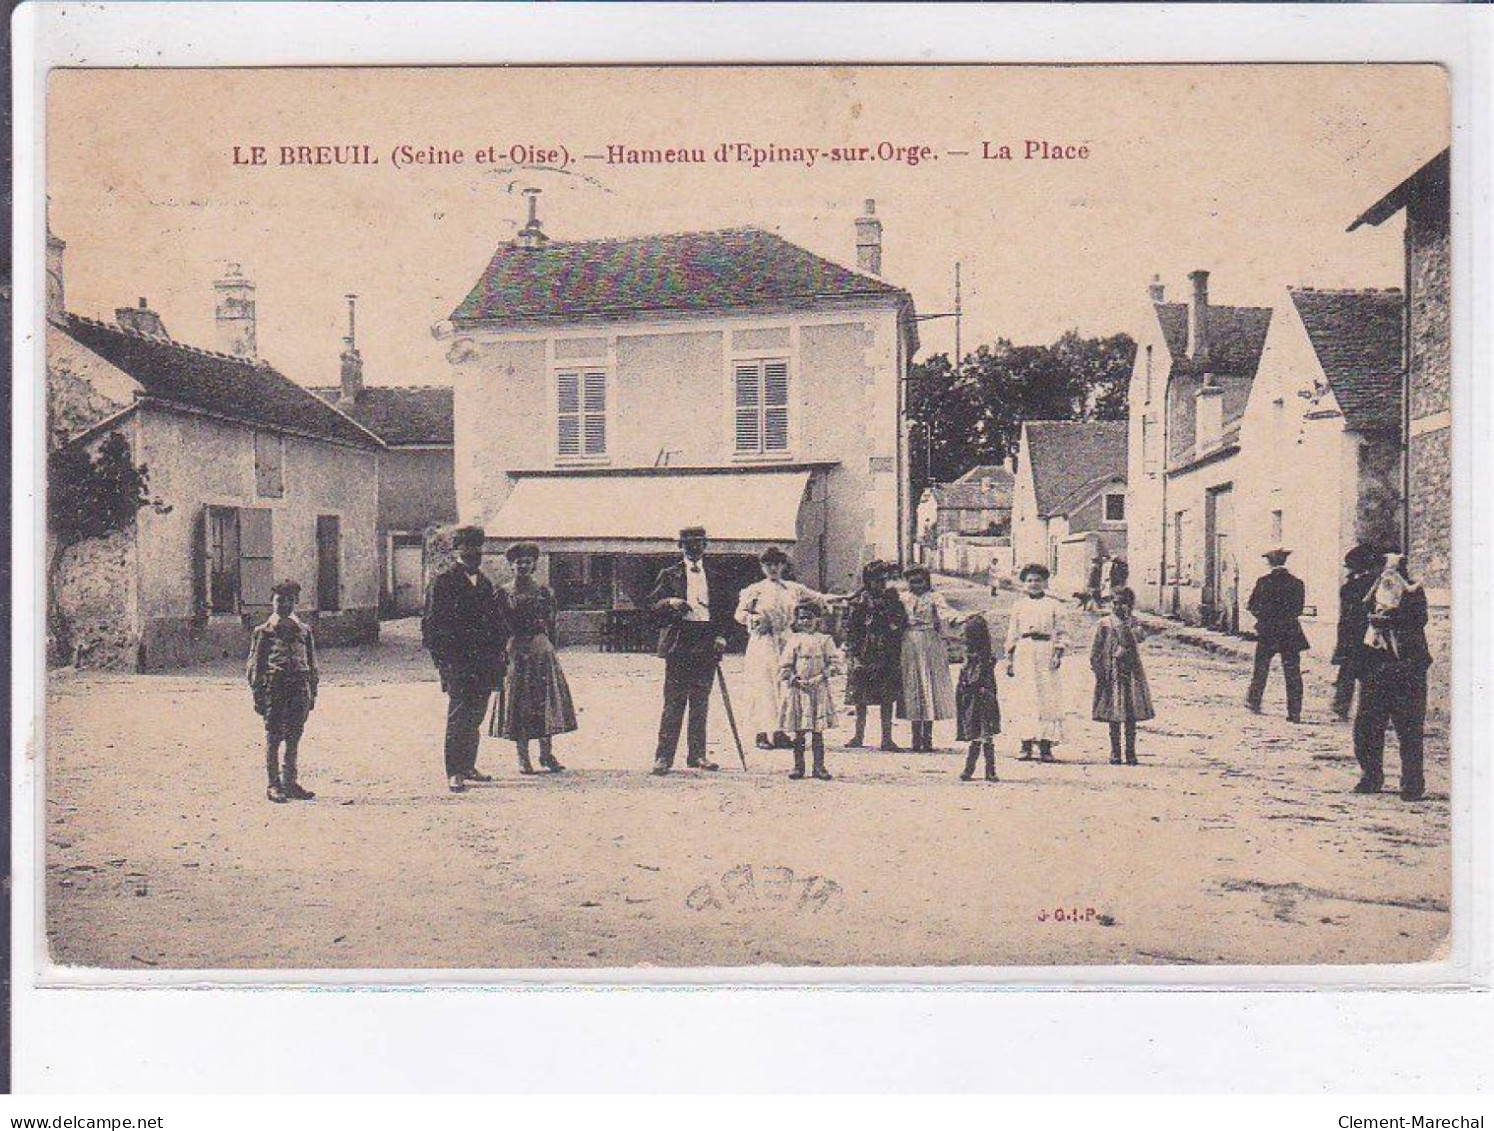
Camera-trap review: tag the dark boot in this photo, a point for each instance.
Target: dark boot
(1026, 755)
(990, 761)
(549, 761)
(273, 791)
(888, 744)
(288, 784)
(858, 740)
(1115, 744)
(970, 759)
(1045, 750)
(1130, 744)
(763, 742)
(798, 771)
(782, 740)
(525, 765)
(819, 758)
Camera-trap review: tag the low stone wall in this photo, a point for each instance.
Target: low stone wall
(96, 592)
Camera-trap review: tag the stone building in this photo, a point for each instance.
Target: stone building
(978, 502)
(609, 392)
(417, 478)
(262, 481)
(1319, 469)
(1069, 499)
(1191, 381)
(1426, 359)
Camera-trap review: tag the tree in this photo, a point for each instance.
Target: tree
(88, 496)
(974, 416)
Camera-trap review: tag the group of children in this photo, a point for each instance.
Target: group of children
(895, 646)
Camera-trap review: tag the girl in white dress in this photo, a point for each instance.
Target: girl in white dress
(928, 692)
(808, 709)
(766, 608)
(1035, 643)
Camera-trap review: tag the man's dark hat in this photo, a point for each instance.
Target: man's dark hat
(692, 533)
(522, 550)
(288, 588)
(875, 568)
(917, 571)
(468, 536)
(1277, 556)
(1034, 568)
(773, 554)
(1363, 556)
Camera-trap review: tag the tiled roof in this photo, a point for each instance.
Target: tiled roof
(1068, 455)
(967, 492)
(1357, 336)
(686, 272)
(1431, 180)
(1237, 334)
(399, 414)
(214, 383)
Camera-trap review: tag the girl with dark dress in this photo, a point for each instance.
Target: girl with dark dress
(536, 702)
(874, 626)
(977, 711)
(1122, 697)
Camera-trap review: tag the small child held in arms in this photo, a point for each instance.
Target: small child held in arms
(1122, 697)
(283, 677)
(977, 711)
(807, 708)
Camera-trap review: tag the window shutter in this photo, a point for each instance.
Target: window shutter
(595, 409)
(568, 413)
(199, 564)
(749, 412)
(775, 406)
(256, 560)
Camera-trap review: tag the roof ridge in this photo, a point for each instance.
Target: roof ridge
(186, 347)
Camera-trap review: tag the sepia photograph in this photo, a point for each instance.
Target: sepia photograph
(578, 519)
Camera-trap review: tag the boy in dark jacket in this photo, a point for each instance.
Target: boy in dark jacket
(283, 677)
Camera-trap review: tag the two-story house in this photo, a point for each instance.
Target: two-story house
(1195, 364)
(610, 392)
(978, 502)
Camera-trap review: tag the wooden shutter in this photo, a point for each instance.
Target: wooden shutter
(749, 407)
(198, 564)
(568, 413)
(594, 412)
(775, 406)
(256, 560)
(328, 563)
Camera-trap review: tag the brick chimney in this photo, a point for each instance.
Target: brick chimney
(352, 360)
(235, 313)
(869, 240)
(531, 235)
(56, 299)
(142, 319)
(1198, 318)
(1156, 290)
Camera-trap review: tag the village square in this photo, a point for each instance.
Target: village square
(695, 611)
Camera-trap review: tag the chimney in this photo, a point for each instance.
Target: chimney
(1198, 318)
(56, 299)
(142, 319)
(1208, 420)
(352, 360)
(1156, 290)
(869, 240)
(235, 313)
(531, 235)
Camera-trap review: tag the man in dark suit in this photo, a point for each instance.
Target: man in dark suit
(696, 605)
(1362, 564)
(466, 632)
(1393, 689)
(1277, 602)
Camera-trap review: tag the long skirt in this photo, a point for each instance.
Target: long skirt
(876, 677)
(536, 698)
(1035, 704)
(928, 694)
(762, 691)
(809, 708)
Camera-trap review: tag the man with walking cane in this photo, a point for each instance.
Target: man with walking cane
(696, 605)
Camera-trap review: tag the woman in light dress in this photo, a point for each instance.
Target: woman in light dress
(1035, 643)
(928, 692)
(766, 609)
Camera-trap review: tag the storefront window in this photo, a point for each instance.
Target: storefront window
(582, 581)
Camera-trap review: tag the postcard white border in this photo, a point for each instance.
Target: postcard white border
(142, 1016)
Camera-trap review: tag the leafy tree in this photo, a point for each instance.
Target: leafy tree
(88, 496)
(974, 416)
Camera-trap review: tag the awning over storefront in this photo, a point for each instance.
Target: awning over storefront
(627, 508)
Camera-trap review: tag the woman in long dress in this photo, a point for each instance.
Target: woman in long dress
(1035, 643)
(766, 608)
(928, 692)
(536, 703)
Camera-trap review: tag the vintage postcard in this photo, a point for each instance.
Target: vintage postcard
(875, 518)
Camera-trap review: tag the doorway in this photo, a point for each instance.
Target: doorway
(407, 574)
(1221, 576)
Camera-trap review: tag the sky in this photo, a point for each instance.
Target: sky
(1250, 172)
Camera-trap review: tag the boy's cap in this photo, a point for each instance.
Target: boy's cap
(693, 534)
(287, 588)
(1034, 570)
(468, 536)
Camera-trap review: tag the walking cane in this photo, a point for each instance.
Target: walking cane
(731, 716)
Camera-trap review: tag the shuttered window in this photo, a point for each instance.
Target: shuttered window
(239, 545)
(581, 413)
(762, 406)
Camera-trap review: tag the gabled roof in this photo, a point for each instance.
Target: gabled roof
(1431, 178)
(686, 272)
(214, 383)
(1067, 456)
(995, 472)
(1357, 336)
(968, 493)
(1237, 334)
(399, 414)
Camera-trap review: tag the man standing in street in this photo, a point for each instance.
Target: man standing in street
(1277, 602)
(1362, 564)
(1392, 663)
(466, 632)
(694, 601)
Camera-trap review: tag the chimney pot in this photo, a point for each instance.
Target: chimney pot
(141, 319)
(869, 240)
(352, 360)
(532, 234)
(1156, 290)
